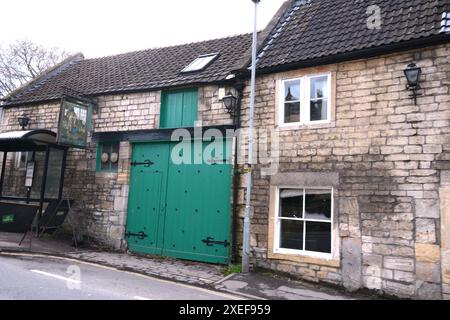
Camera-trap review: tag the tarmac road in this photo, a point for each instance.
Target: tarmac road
(42, 278)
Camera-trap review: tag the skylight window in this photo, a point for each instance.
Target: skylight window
(201, 62)
(445, 24)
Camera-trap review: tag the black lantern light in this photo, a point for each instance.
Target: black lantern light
(230, 102)
(413, 73)
(24, 120)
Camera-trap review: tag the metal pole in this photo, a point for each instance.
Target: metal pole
(2, 178)
(61, 178)
(247, 226)
(43, 185)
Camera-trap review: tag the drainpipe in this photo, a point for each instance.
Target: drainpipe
(237, 124)
(247, 225)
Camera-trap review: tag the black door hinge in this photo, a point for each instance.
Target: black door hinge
(214, 162)
(146, 163)
(141, 235)
(210, 242)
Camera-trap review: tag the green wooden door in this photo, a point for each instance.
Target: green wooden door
(179, 108)
(193, 221)
(146, 200)
(197, 222)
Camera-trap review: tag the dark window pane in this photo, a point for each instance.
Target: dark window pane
(319, 87)
(318, 237)
(291, 203)
(292, 90)
(319, 110)
(291, 234)
(318, 204)
(292, 112)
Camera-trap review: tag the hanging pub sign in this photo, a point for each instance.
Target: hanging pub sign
(73, 123)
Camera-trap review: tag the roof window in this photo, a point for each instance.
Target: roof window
(445, 24)
(200, 63)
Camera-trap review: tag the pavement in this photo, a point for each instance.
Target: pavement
(255, 286)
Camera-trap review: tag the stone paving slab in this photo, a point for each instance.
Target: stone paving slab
(184, 271)
(277, 288)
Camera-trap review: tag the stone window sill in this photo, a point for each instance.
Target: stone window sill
(327, 125)
(305, 259)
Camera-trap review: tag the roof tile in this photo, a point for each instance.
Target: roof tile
(140, 70)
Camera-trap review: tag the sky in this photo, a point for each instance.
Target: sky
(105, 27)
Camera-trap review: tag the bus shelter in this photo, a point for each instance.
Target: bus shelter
(32, 181)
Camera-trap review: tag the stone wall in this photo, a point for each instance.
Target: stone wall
(388, 153)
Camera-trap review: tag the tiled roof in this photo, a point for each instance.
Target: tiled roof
(134, 71)
(314, 29)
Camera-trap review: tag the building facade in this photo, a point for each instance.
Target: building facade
(359, 198)
(352, 179)
(128, 192)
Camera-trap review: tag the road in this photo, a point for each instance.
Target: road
(42, 278)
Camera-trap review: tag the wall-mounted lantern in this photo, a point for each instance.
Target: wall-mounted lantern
(230, 102)
(24, 120)
(413, 73)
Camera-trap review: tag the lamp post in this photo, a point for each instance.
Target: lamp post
(248, 169)
(413, 73)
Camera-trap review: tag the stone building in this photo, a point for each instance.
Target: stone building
(124, 183)
(360, 197)
(354, 191)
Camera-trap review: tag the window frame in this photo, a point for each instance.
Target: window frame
(100, 147)
(305, 100)
(204, 61)
(27, 159)
(277, 225)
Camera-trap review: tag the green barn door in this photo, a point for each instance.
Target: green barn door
(179, 108)
(197, 223)
(180, 210)
(146, 203)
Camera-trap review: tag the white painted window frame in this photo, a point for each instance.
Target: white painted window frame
(305, 99)
(17, 160)
(278, 250)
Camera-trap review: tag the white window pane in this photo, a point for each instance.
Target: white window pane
(318, 204)
(319, 87)
(319, 110)
(200, 63)
(292, 90)
(291, 203)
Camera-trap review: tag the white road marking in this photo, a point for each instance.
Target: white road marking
(56, 276)
(233, 296)
(140, 298)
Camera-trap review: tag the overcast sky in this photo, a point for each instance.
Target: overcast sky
(104, 27)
